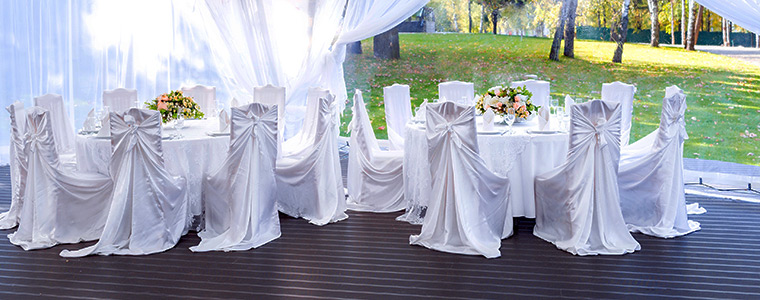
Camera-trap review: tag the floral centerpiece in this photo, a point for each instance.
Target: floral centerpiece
(173, 104)
(500, 99)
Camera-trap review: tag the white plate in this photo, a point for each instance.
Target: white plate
(486, 132)
(217, 133)
(544, 131)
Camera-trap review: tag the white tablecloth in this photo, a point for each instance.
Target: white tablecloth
(193, 156)
(519, 156)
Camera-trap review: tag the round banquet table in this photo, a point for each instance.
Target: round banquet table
(193, 156)
(519, 156)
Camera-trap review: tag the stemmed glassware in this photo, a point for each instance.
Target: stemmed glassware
(510, 119)
(554, 105)
(179, 123)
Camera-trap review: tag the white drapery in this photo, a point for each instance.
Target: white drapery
(79, 48)
(745, 13)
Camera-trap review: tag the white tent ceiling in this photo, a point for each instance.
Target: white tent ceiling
(745, 13)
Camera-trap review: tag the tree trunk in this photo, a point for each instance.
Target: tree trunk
(698, 25)
(683, 23)
(455, 21)
(482, 17)
(570, 29)
(654, 12)
(672, 22)
(495, 19)
(554, 53)
(623, 33)
(469, 16)
(729, 29)
(690, 26)
(354, 48)
(386, 44)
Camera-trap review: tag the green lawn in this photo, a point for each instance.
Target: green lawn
(723, 94)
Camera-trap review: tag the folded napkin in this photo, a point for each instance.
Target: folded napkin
(234, 102)
(543, 118)
(89, 123)
(420, 116)
(105, 126)
(569, 102)
(488, 120)
(224, 121)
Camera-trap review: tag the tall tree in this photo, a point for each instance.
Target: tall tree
(683, 23)
(569, 35)
(672, 22)
(469, 15)
(654, 13)
(698, 24)
(689, 44)
(622, 33)
(495, 6)
(559, 32)
(386, 45)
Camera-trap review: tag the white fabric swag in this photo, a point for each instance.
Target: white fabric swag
(745, 13)
(79, 48)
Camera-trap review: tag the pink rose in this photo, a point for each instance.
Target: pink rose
(515, 105)
(164, 97)
(517, 98)
(161, 105)
(499, 104)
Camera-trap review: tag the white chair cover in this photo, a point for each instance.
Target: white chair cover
(205, 96)
(305, 136)
(651, 176)
(240, 196)
(58, 207)
(577, 204)
(375, 177)
(458, 92)
(148, 212)
(468, 208)
(273, 95)
(9, 219)
(309, 182)
(63, 130)
(119, 100)
(398, 111)
(623, 94)
(540, 89)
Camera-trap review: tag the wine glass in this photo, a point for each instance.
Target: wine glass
(510, 119)
(554, 105)
(179, 123)
(561, 117)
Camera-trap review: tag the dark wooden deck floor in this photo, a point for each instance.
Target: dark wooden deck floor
(369, 256)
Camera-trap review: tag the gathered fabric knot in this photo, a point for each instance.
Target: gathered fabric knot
(681, 123)
(445, 127)
(599, 129)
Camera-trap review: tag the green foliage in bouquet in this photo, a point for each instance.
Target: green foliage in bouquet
(500, 99)
(173, 104)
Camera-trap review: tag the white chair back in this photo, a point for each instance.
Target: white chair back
(205, 96)
(458, 92)
(398, 111)
(588, 181)
(469, 204)
(240, 196)
(621, 93)
(273, 95)
(540, 89)
(63, 130)
(18, 169)
(119, 100)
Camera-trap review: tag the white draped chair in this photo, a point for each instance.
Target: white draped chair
(398, 111)
(651, 175)
(578, 203)
(63, 130)
(623, 94)
(57, 207)
(305, 135)
(119, 100)
(469, 206)
(273, 95)
(540, 89)
(375, 177)
(458, 92)
(309, 181)
(240, 196)
(18, 170)
(205, 96)
(148, 211)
